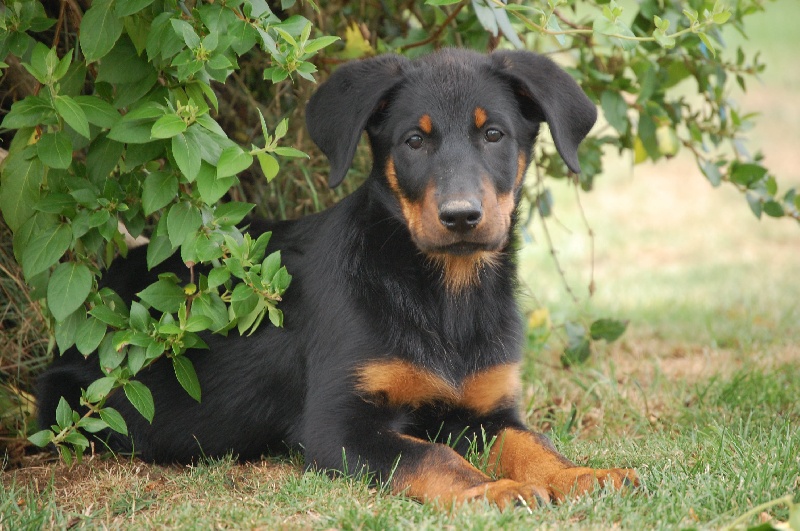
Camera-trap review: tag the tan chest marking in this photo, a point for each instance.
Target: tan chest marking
(400, 383)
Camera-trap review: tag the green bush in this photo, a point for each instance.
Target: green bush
(145, 117)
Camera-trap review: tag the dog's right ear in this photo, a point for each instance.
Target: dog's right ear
(339, 111)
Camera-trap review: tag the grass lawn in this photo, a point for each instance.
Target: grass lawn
(700, 395)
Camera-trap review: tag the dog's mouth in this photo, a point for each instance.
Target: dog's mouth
(459, 247)
(463, 248)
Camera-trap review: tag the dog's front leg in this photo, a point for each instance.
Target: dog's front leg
(438, 473)
(530, 457)
(430, 472)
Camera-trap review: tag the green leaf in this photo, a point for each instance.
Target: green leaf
(89, 335)
(100, 29)
(615, 31)
(137, 356)
(578, 346)
(92, 425)
(212, 306)
(232, 213)
(131, 131)
(68, 288)
(139, 317)
(158, 250)
(276, 317)
(290, 152)
(218, 276)
(66, 329)
(271, 265)
(45, 250)
(63, 414)
(103, 157)
(28, 112)
(168, 126)
(771, 208)
(754, 201)
(184, 370)
(55, 203)
(77, 440)
(212, 189)
(73, 114)
(109, 316)
(183, 219)
(98, 111)
(747, 174)
(141, 398)
(712, 173)
(315, 45)
(100, 388)
(232, 161)
(608, 329)
(109, 357)
(20, 180)
(187, 155)
(708, 43)
(114, 420)
(186, 31)
(163, 295)
(41, 438)
(55, 150)
(158, 190)
(129, 7)
(280, 282)
(615, 110)
(576, 354)
(269, 165)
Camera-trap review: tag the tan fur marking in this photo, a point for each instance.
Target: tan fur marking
(447, 479)
(461, 272)
(524, 457)
(413, 212)
(401, 383)
(480, 117)
(425, 124)
(521, 161)
(485, 391)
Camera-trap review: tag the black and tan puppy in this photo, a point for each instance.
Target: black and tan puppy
(401, 329)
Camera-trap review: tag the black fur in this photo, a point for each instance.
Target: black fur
(364, 289)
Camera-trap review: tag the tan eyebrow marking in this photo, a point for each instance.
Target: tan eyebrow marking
(480, 117)
(425, 124)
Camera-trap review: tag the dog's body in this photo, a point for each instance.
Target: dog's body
(401, 329)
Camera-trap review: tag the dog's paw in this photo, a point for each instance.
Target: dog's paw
(580, 480)
(505, 493)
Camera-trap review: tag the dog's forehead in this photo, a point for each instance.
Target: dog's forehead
(449, 91)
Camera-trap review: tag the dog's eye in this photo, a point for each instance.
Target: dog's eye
(493, 135)
(414, 141)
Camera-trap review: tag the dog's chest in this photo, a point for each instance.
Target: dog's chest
(400, 384)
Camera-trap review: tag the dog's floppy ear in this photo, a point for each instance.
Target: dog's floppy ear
(563, 104)
(338, 112)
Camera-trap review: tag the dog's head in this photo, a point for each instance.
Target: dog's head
(451, 136)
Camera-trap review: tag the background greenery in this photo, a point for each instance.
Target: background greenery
(697, 395)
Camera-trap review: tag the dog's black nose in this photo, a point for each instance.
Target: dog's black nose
(460, 215)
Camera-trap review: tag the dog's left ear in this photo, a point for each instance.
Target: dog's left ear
(562, 103)
(339, 110)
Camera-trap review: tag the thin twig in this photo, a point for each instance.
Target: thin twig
(590, 232)
(552, 248)
(435, 35)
